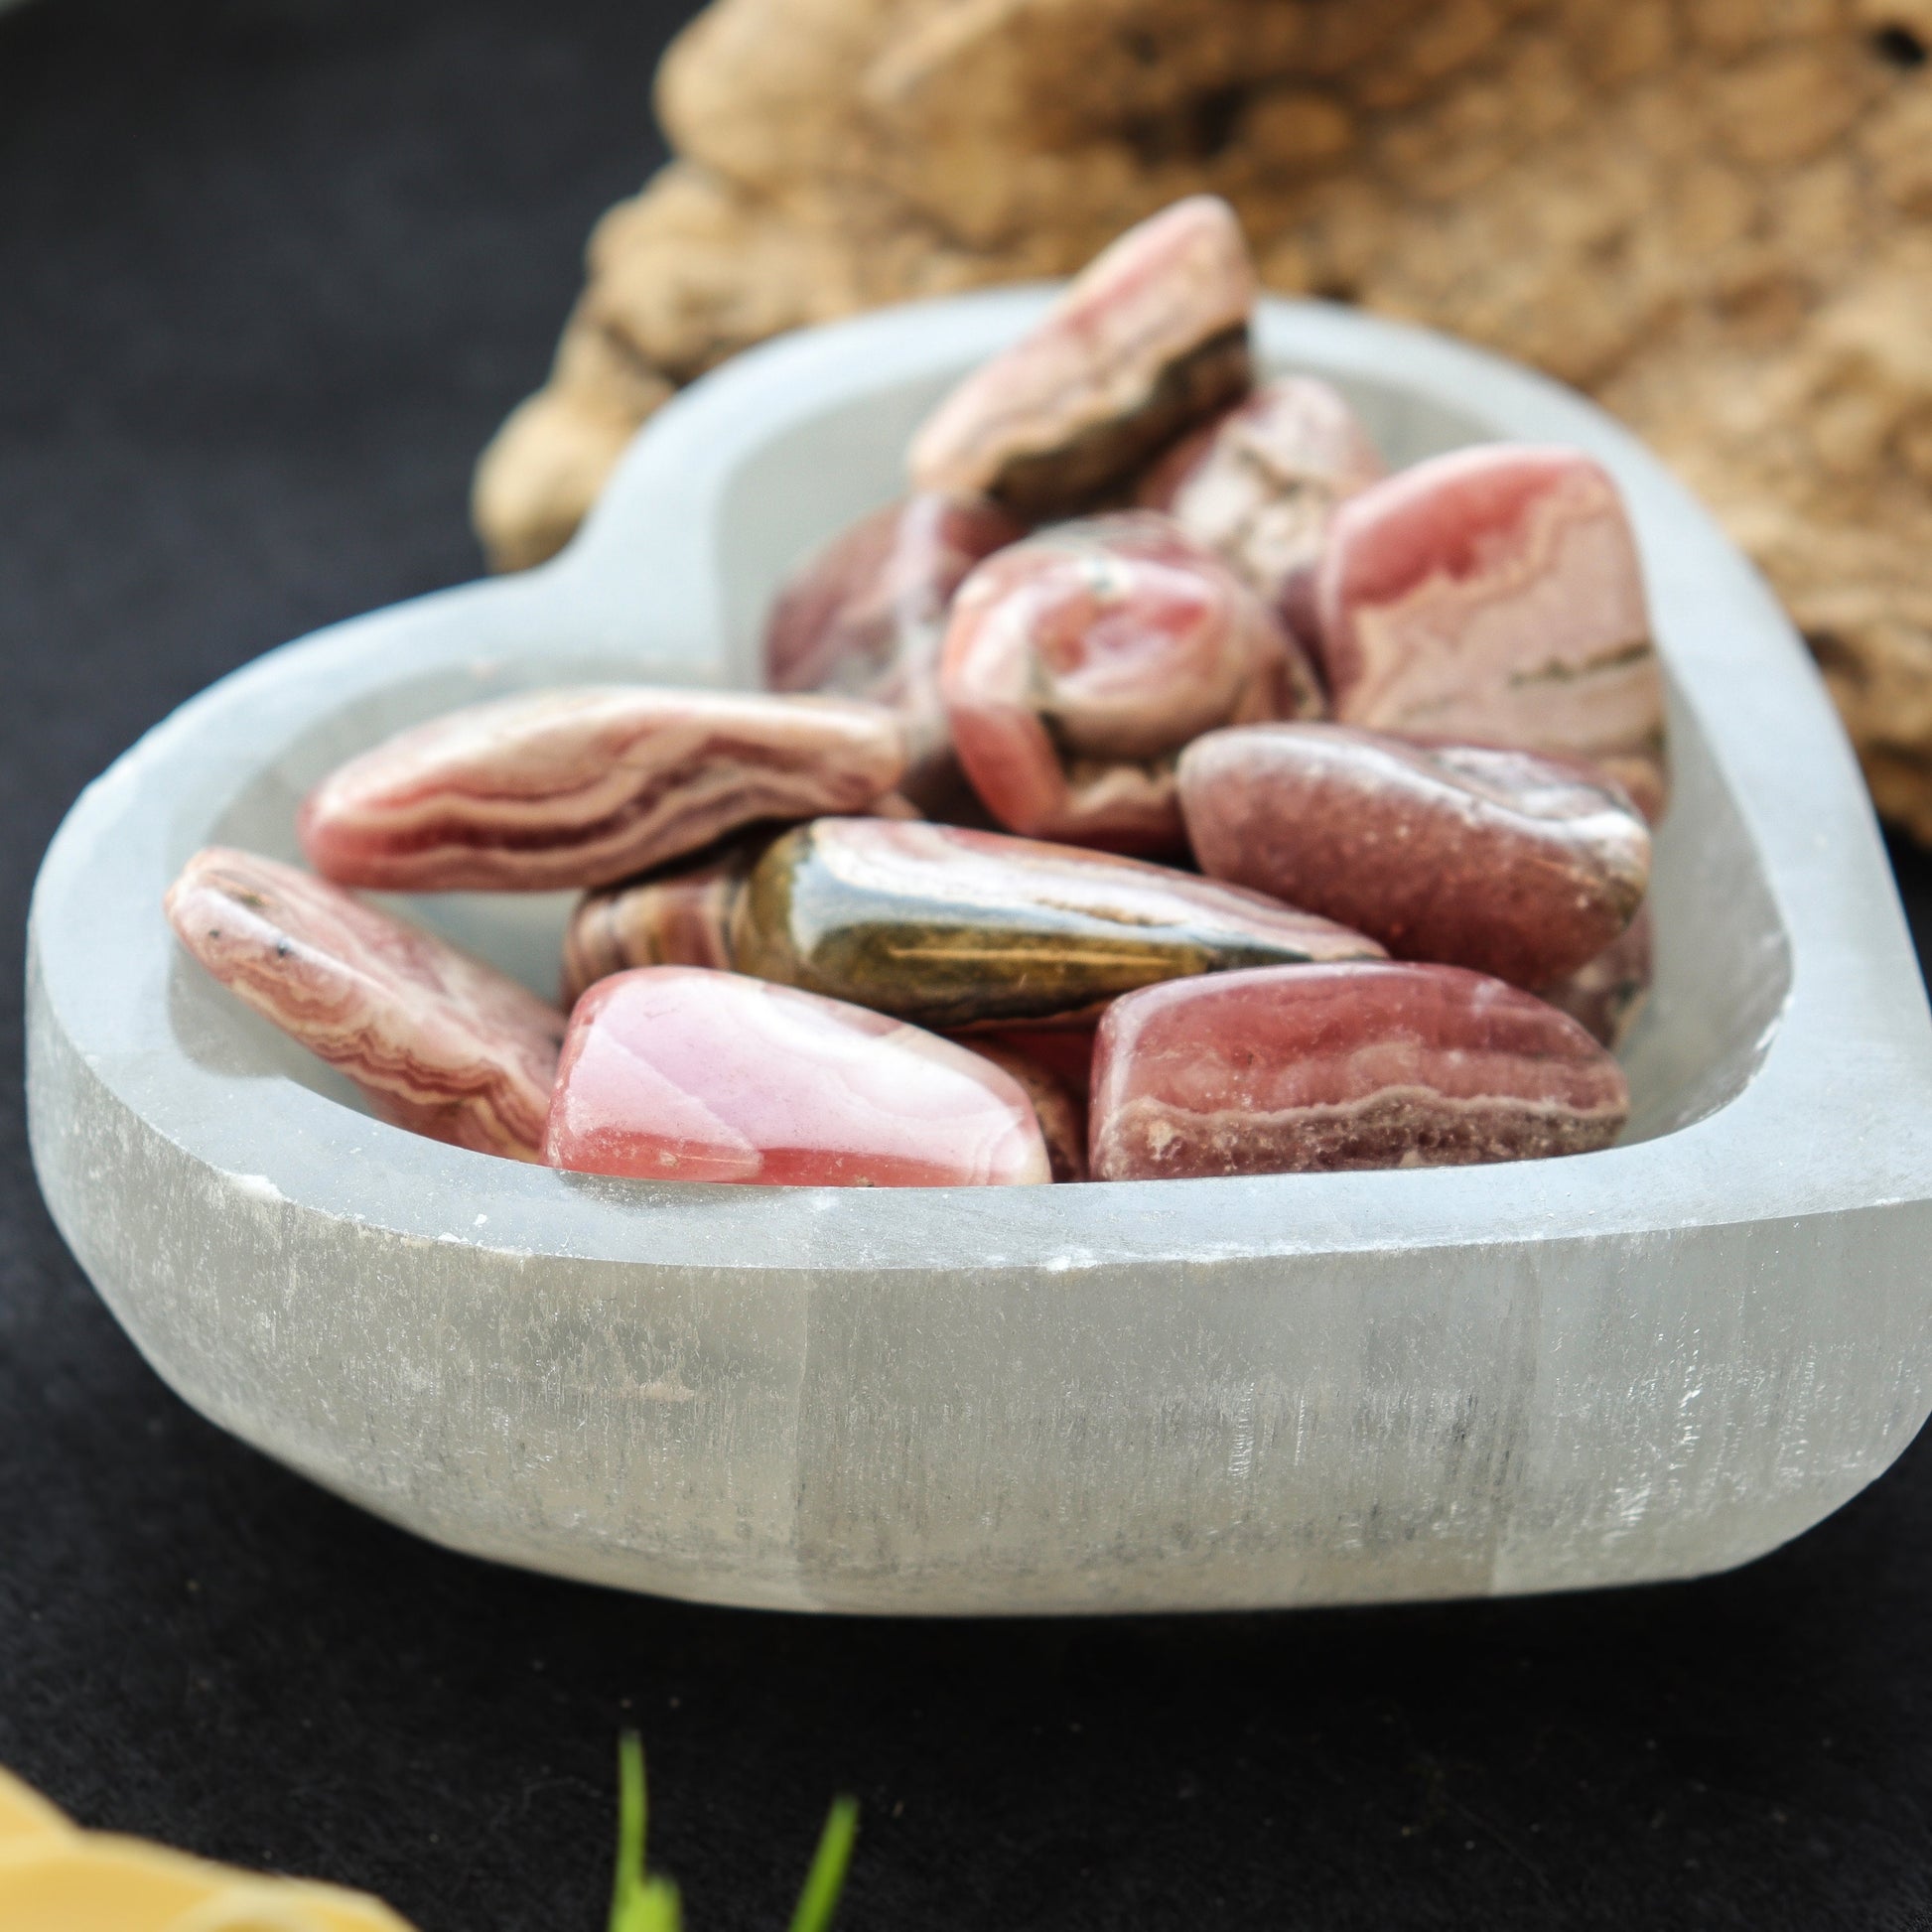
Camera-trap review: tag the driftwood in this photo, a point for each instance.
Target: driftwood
(1713, 214)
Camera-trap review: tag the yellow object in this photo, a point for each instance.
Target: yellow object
(55, 1877)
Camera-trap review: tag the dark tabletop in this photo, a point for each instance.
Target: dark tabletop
(270, 272)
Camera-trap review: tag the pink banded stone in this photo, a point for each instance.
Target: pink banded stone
(1514, 865)
(1607, 995)
(1079, 662)
(677, 1073)
(867, 616)
(1149, 340)
(1260, 486)
(438, 1042)
(1492, 595)
(1316, 1068)
(679, 916)
(585, 785)
(1061, 1113)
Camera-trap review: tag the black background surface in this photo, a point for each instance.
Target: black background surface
(270, 272)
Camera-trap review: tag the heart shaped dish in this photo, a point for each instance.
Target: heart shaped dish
(1648, 1362)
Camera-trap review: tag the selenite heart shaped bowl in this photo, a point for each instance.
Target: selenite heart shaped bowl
(1649, 1362)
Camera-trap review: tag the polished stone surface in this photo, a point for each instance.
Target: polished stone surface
(1320, 1068)
(679, 916)
(1259, 485)
(437, 1041)
(1079, 662)
(584, 784)
(949, 926)
(866, 615)
(1059, 1105)
(1502, 861)
(1494, 594)
(1607, 995)
(1149, 340)
(680, 1073)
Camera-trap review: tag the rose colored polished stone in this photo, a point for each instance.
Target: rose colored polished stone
(1079, 663)
(953, 927)
(1066, 1051)
(1061, 1113)
(438, 1042)
(867, 616)
(1369, 1064)
(679, 1074)
(1514, 865)
(587, 785)
(1260, 486)
(677, 916)
(1606, 996)
(1493, 594)
(1149, 340)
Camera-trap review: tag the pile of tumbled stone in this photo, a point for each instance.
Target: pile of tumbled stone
(1159, 790)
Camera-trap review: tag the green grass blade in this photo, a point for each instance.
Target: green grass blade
(826, 1880)
(628, 1888)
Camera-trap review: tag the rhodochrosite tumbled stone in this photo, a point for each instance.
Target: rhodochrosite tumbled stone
(1605, 995)
(866, 618)
(1149, 338)
(679, 916)
(1363, 1065)
(677, 1073)
(1061, 1113)
(440, 1042)
(1504, 861)
(1259, 485)
(1079, 663)
(1493, 594)
(951, 927)
(588, 785)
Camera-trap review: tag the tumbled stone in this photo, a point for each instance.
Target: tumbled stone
(438, 1042)
(1065, 1051)
(1515, 865)
(1493, 594)
(865, 618)
(679, 1074)
(585, 785)
(1062, 1111)
(677, 916)
(1149, 340)
(952, 927)
(1079, 662)
(1368, 1064)
(1260, 486)
(1606, 996)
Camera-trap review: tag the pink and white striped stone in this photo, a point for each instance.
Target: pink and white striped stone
(1060, 1110)
(867, 616)
(1493, 595)
(1260, 486)
(581, 786)
(1079, 662)
(1370, 1064)
(440, 1042)
(1515, 865)
(1149, 340)
(1606, 996)
(677, 1073)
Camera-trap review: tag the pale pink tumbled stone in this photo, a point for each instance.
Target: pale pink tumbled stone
(1149, 340)
(581, 786)
(1079, 662)
(1259, 485)
(1606, 996)
(679, 1074)
(440, 1042)
(1493, 594)
(1370, 1064)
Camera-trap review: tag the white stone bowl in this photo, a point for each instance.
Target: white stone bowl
(1649, 1362)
